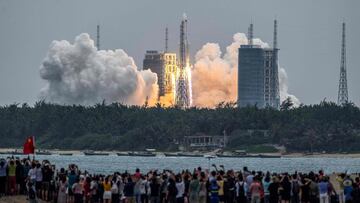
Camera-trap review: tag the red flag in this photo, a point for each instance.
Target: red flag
(29, 146)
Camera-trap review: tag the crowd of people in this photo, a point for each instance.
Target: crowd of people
(41, 180)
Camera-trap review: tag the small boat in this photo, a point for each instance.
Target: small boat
(209, 156)
(92, 153)
(16, 152)
(231, 155)
(269, 156)
(167, 154)
(43, 153)
(65, 154)
(146, 154)
(122, 154)
(189, 155)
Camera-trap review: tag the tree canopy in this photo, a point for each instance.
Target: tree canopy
(321, 127)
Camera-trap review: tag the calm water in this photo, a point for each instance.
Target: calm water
(112, 163)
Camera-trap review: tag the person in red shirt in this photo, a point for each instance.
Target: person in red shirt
(255, 190)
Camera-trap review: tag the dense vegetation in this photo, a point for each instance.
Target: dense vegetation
(322, 127)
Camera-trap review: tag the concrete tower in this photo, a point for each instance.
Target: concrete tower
(258, 80)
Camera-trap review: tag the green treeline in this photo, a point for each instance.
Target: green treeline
(322, 127)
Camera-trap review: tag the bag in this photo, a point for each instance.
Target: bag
(114, 189)
(295, 187)
(241, 191)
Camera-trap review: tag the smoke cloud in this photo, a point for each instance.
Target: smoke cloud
(215, 75)
(78, 73)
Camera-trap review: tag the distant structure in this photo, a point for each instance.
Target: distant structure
(183, 78)
(98, 37)
(258, 80)
(343, 90)
(164, 64)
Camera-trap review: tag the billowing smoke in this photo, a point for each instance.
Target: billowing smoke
(283, 80)
(215, 75)
(80, 74)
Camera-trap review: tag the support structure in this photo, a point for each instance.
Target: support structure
(275, 91)
(166, 40)
(98, 37)
(183, 84)
(343, 90)
(251, 34)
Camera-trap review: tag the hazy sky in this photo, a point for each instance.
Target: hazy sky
(309, 36)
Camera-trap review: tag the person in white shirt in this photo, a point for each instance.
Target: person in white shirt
(180, 186)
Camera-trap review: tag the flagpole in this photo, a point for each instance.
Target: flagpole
(33, 137)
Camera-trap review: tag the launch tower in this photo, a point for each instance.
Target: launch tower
(343, 90)
(183, 82)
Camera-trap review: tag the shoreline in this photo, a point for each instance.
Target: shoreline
(158, 153)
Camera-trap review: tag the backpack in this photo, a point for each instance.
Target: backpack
(295, 188)
(241, 189)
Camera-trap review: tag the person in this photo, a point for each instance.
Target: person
(340, 179)
(107, 190)
(295, 189)
(39, 179)
(72, 177)
(241, 189)
(355, 194)
(266, 182)
(220, 182)
(19, 173)
(274, 190)
(214, 191)
(77, 190)
(202, 188)
(115, 182)
(129, 191)
(323, 190)
(249, 179)
(229, 187)
(62, 187)
(47, 177)
(94, 190)
(194, 189)
(171, 191)
(137, 186)
(285, 193)
(313, 188)
(348, 188)
(3, 167)
(154, 189)
(180, 187)
(86, 186)
(255, 190)
(12, 178)
(163, 188)
(144, 187)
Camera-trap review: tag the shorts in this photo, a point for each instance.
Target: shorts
(46, 185)
(107, 195)
(70, 192)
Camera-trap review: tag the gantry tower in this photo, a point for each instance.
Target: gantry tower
(343, 90)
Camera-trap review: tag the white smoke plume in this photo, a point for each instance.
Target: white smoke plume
(283, 80)
(215, 75)
(78, 73)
